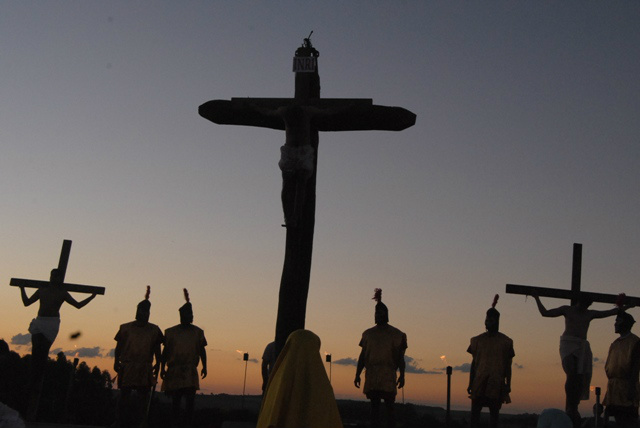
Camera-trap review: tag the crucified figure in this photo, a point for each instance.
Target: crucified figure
(575, 350)
(297, 156)
(44, 329)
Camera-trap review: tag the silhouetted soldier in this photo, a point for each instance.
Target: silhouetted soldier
(184, 348)
(138, 342)
(490, 375)
(44, 330)
(575, 350)
(622, 368)
(382, 355)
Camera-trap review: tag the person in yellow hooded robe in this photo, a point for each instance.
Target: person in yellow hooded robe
(299, 394)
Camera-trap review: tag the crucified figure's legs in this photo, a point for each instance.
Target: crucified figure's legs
(572, 388)
(294, 186)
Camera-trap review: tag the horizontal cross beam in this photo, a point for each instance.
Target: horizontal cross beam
(359, 114)
(77, 288)
(314, 102)
(528, 290)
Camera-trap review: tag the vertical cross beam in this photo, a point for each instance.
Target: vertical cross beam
(64, 259)
(296, 271)
(576, 272)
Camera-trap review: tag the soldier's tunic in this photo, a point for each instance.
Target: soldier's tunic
(623, 353)
(381, 345)
(492, 354)
(137, 345)
(182, 355)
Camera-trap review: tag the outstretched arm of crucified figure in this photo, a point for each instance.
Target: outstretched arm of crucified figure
(556, 312)
(29, 300)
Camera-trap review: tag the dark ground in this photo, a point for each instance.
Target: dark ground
(231, 411)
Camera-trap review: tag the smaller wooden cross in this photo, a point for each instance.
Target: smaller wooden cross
(575, 291)
(62, 269)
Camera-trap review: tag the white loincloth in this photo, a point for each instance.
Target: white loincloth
(47, 326)
(296, 158)
(579, 348)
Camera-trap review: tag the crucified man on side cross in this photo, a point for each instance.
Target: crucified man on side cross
(44, 330)
(575, 350)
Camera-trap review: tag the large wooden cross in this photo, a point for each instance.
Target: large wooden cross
(62, 270)
(575, 292)
(348, 115)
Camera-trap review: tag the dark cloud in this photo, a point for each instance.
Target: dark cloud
(518, 366)
(346, 362)
(464, 368)
(21, 339)
(84, 352)
(412, 367)
(111, 353)
(94, 352)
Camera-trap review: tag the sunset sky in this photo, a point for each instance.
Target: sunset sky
(527, 140)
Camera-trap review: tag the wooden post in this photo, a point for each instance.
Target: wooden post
(448, 415)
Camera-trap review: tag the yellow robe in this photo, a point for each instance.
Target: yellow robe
(298, 394)
(622, 353)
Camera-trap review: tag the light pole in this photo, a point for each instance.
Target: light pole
(245, 358)
(448, 418)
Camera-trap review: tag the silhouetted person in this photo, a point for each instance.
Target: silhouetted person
(268, 360)
(622, 368)
(490, 375)
(382, 356)
(184, 348)
(298, 393)
(8, 374)
(575, 350)
(138, 343)
(44, 330)
(13, 374)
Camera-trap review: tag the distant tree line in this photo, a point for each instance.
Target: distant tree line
(71, 393)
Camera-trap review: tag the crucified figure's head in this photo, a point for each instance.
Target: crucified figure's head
(55, 277)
